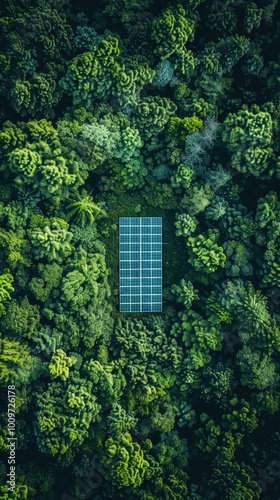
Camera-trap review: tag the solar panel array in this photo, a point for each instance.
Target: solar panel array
(140, 264)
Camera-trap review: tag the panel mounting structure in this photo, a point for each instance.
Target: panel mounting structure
(140, 275)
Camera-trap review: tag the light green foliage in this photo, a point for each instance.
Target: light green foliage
(79, 286)
(72, 291)
(24, 161)
(241, 417)
(131, 78)
(209, 60)
(152, 114)
(84, 210)
(60, 364)
(205, 254)
(83, 312)
(185, 61)
(132, 174)
(38, 161)
(155, 357)
(185, 225)
(185, 293)
(52, 241)
(21, 492)
(248, 137)
(6, 287)
(109, 136)
(199, 337)
(91, 74)
(102, 72)
(64, 415)
(256, 321)
(129, 464)
(258, 370)
(164, 416)
(129, 144)
(169, 486)
(194, 104)
(183, 126)
(15, 361)
(228, 448)
(171, 31)
(182, 177)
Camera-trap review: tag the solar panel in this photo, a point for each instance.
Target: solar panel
(140, 264)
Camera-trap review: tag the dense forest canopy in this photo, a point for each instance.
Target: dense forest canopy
(140, 108)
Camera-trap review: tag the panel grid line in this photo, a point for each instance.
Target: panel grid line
(140, 272)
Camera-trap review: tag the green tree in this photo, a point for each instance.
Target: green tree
(52, 241)
(60, 364)
(15, 362)
(248, 135)
(63, 417)
(131, 466)
(6, 287)
(84, 210)
(205, 254)
(171, 31)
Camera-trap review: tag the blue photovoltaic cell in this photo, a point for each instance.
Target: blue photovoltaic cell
(140, 253)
